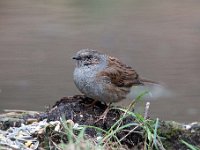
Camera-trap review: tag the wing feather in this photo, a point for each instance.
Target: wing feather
(120, 74)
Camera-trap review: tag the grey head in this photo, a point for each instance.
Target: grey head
(89, 58)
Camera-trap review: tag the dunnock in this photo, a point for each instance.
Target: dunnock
(105, 78)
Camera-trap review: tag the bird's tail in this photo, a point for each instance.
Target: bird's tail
(153, 89)
(148, 81)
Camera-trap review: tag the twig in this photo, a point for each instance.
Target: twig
(146, 111)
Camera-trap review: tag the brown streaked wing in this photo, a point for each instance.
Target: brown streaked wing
(120, 74)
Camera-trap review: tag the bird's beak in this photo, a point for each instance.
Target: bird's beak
(76, 57)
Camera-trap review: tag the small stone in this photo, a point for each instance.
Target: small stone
(28, 143)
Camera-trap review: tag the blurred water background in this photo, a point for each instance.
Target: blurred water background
(160, 39)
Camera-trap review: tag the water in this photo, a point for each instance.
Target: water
(160, 39)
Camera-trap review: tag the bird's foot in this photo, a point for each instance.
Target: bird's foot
(103, 116)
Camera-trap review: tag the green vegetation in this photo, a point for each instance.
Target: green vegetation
(191, 147)
(123, 129)
(78, 139)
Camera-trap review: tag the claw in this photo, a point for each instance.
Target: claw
(104, 115)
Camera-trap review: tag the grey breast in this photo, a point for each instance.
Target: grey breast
(84, 78)
(86, 81)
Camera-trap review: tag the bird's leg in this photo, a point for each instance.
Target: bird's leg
(104, 115)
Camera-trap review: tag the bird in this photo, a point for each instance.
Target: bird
(105, 78)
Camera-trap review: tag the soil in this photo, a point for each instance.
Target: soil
(84, 111)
